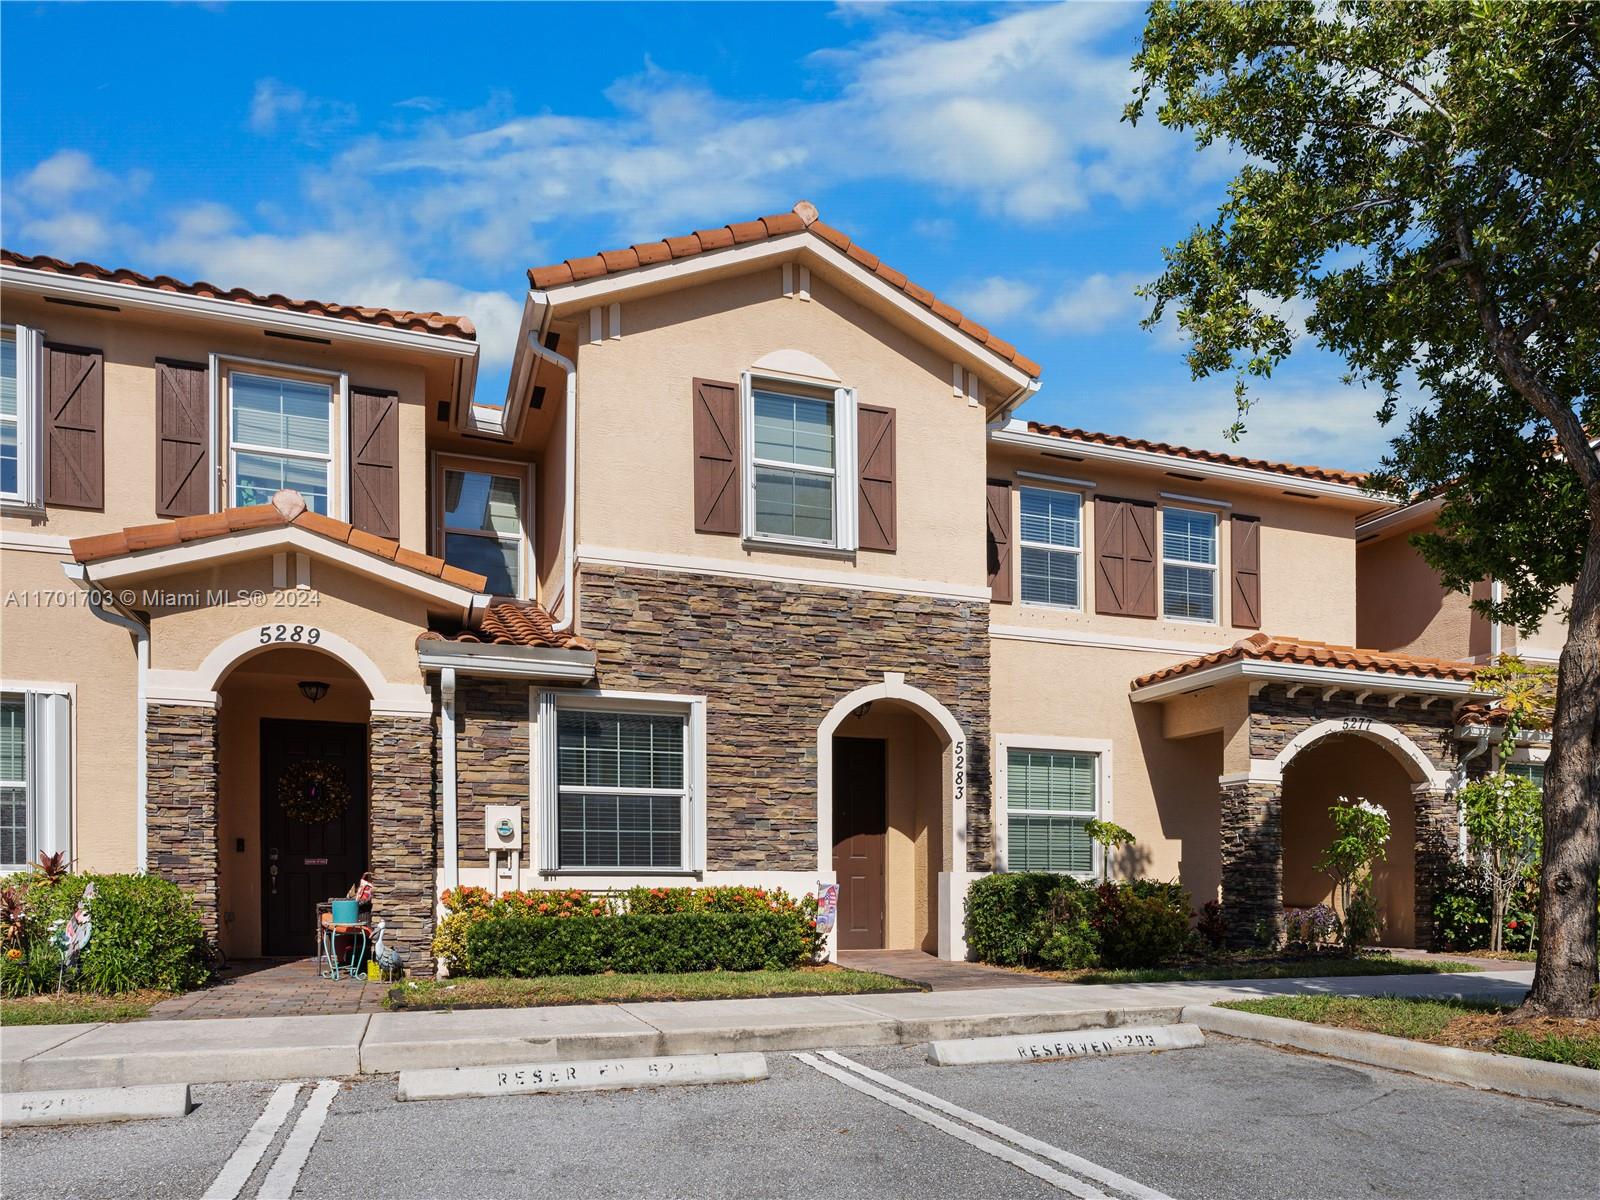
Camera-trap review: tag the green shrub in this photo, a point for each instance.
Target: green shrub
(1072, 941)
(1139, 931)
(1462, 905)
(145, 933)
(1008, 915)
(1170, 892)
(659, 901)
(450, 938)
(524, 947)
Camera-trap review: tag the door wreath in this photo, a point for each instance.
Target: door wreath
(313, 791)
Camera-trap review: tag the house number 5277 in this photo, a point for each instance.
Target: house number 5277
(308, 634)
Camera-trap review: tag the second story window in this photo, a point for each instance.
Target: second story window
(1052, 547)
(1188, 565)
(280, 436)
(19, 417)
(482, 523)
(800, 450)
(10, 418)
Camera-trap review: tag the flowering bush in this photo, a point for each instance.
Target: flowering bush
(563, 902)
(1361, 830)
(1310, 928)
(463, 898)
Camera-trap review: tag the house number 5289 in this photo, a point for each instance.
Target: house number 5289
(309, 634)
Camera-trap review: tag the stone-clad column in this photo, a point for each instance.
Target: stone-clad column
(1438, 835)
(181, 810)
(401, 768)
(1252, 860)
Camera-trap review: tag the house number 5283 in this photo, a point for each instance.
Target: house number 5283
(309, 634)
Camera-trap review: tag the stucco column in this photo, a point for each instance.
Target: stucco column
(1252, 859)
(181, 761)
(1438, 833)
(404, 859)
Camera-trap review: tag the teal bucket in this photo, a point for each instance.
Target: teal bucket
(346, 912)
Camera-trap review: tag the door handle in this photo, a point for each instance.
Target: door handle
(272, 876)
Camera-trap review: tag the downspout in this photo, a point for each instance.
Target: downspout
(452, 849)
(79, 574)
(1495, 637)
(570, 499)
(1461, 778)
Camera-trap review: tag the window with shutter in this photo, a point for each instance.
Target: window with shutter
(74, 415)
(997, 512)
(716, 456)
(183, 439)
(375, 461)
(875, 437)
(1245, 552)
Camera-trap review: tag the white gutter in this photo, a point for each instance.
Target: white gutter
(1017, 397)
(79, 574)
(447, 703)
(507, 662)
(570, 500)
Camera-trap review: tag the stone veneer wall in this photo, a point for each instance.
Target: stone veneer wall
(402, 767)
(771, 659)
(1252, 859)
(181, 814)
(493, 763)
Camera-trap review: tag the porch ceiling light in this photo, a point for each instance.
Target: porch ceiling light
(313, 689)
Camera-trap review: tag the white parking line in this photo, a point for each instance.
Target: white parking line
(1072, 1162)
(285, 1172)
(1016, 1158)
(236, 1171)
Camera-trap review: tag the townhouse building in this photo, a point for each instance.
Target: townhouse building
(755, 576)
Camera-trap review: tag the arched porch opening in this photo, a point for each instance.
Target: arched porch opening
(292, 795)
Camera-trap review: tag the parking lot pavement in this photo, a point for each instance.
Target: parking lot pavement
(1230, 1120)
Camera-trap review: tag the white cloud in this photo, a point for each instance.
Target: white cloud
(996, 298)
(64, 174)
(1096, 303)
(276, 104)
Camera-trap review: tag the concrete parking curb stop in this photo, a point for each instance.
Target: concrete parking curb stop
(88, 1106)
(598, 1075)
(1528, 1077)
(1064, 1044)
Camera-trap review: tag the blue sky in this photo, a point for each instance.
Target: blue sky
(423, 156)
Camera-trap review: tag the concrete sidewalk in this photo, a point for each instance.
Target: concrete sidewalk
(45, 1057)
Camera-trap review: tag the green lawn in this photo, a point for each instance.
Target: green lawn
(1308, 968)
(72, 1008)
(612, 989)
(1474, 1024)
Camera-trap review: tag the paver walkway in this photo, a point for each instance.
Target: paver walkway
(273, 987)
(940, 974)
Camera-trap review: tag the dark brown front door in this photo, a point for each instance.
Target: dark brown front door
(306, 768)
(860, 825)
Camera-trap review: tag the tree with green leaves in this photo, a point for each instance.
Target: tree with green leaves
(1423, 179)
(1502, 816)
(1360, 835)
(1110, 837)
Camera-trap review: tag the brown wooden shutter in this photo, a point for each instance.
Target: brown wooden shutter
(998, 509)
(716, 457)
(74, 423)
(183, 439)
(1245, 551)
(375, 461)
(1124, 555)
(875, 437)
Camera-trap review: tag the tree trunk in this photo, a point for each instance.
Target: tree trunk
(1564, 982)
(1497, 916)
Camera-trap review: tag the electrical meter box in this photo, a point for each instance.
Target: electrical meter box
(502, 827)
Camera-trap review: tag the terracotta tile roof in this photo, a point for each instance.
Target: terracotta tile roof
(513, 623)
(393, 318)
(287, 508)
(1266, 648)
(1322, 474)
(804, 216)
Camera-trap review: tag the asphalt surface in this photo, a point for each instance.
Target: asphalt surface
(1230, 1120)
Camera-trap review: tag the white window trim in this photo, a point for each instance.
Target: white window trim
(546, 787)
(1215, 568)
(223, 448)
(846, 534)
(523, 472)
(1007, 742)
(51, 772)
(1075, 551)
(29, 496)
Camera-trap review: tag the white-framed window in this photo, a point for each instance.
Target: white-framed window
(800, 463)
(1189, 565)
(1051, 795)
(35, 774)
(482, 520)
(1051, 539)
(1531, 771)
(281, 434)
(19, 416)
(619, 776)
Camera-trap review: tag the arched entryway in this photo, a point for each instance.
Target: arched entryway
(293, 796)
(891, 814)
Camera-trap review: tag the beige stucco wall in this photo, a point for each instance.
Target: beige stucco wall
(1356, 768)
(1164, 790)
(635, 424)
(1402, 606)
(49, 636)
(264, 687)
(133, 341)
(1549, 636)
(1307, 555)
